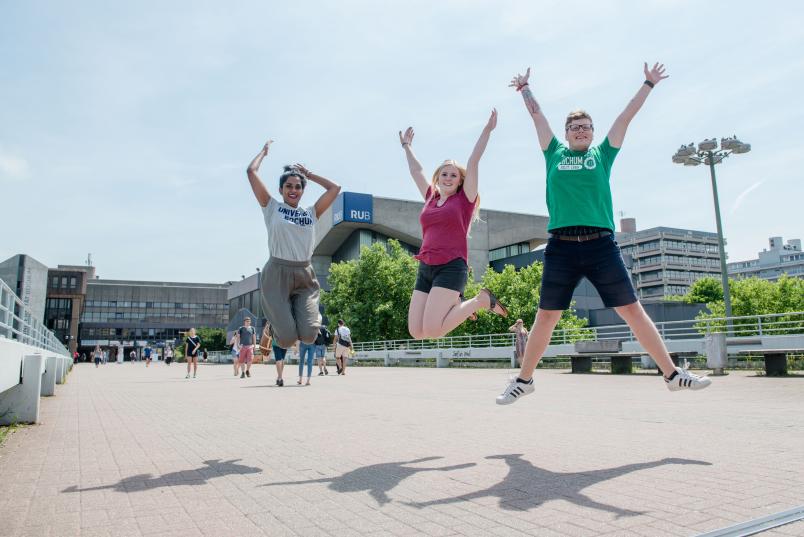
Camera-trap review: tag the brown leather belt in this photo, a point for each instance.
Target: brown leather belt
(581, 238)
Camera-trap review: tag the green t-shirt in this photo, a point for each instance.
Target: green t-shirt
(578, 190)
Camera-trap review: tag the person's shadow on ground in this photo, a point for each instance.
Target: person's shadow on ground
(527, 486)
(377, 479)
(197, 476)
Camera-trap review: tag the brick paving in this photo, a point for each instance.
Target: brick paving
(127, 451)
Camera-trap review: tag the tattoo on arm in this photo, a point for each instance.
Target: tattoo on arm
(530, 101)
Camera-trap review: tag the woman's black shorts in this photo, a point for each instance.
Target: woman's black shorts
(450, 275)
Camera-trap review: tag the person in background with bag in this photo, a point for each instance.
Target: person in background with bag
(343, 346)
(323, 339)
(169, 355)
(192, 347)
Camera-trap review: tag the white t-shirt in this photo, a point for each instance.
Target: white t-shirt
(343, 333)
(291, 232)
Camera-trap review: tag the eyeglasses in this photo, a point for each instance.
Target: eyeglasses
(576, 127)
(290, 186)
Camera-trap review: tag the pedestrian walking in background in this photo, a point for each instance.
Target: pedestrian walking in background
(192, 348)
(343, 346)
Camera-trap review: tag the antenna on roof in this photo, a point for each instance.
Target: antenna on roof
(89, 260)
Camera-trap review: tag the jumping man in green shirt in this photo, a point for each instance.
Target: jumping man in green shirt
(581, 231)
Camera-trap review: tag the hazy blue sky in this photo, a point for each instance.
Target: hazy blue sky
(126, 128)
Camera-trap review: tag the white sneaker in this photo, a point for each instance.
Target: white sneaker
(685, 380)
(514, 391)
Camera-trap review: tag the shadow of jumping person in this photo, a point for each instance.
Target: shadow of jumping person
(377, 479)
(527, 486)
(197, 476)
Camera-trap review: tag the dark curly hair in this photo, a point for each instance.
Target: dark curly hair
(290, 171)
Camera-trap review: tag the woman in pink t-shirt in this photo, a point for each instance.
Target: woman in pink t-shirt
(451, 203)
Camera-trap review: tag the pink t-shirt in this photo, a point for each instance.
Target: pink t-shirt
(444, 228)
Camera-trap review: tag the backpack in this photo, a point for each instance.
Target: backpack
(327, 335)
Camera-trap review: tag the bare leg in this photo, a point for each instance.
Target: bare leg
(418, 301)
(647, 335)
(538, 340)
(445, 311)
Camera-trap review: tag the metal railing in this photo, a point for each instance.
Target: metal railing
(17, 323)
(750, 325)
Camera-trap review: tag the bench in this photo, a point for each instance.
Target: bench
(775, 359)
(622, 363)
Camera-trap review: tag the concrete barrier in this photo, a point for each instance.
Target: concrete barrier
(26, 374)
(49, 376)
(20, 404)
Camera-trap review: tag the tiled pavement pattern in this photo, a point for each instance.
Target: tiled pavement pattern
(124, 450)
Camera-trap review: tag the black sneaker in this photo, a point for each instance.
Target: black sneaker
(325, 371)
(280, 382)
(321, 374)
(242, 375)
(248, 373)
(277, 382)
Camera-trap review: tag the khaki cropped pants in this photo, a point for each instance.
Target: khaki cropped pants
(290, 294)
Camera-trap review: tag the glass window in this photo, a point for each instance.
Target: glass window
(64, 282)
(55, 282)
(73, 282)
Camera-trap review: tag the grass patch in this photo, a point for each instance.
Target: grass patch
(7, 430)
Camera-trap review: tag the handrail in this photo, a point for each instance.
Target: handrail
(746, 325)
(18, 323)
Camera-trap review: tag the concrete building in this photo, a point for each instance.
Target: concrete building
(667, 261)
(27, 277)
(770, 264)
(127, 314)
(66, 294)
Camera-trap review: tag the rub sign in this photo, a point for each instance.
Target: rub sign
(353, 207)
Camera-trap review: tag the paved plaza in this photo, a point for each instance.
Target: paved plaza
(126, 451)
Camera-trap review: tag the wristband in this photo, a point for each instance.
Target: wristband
(649, 84)
(519, 88)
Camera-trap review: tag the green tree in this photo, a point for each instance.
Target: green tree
(754, 296)
(372, 293)
(212, 339)
(704, 291)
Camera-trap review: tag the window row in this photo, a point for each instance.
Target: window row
(171, 305)
(63, 282)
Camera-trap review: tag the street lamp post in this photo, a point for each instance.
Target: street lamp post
(708, 153)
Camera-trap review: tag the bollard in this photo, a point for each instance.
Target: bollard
(514, 365)
(49, 376)
(59, 370)
(441, 360)
(20, 404)
(716, 353)
(387, 359)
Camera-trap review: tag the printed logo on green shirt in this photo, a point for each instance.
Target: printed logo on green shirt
(573, 163)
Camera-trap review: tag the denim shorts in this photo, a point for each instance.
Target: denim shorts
(598, 260)
(450, 275)
(320, 351)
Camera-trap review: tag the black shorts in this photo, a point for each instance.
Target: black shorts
(598, 260)
(450, 275)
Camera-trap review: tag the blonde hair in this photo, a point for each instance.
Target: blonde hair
(462, 172)
(576, 114)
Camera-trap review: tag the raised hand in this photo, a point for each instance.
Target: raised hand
(655, 75)
(407, 138)
(267, 146)
(302, 169)
(492, 123)
(519, 81)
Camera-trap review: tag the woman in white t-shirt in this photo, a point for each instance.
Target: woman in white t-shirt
(289, 287)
